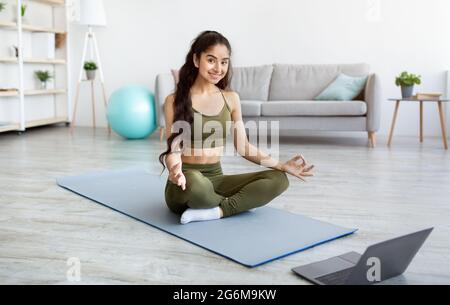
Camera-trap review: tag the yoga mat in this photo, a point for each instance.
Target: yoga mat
(251, 238)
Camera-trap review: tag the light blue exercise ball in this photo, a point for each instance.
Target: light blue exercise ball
(131, 112)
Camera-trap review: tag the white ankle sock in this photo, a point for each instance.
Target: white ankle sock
(200, 215)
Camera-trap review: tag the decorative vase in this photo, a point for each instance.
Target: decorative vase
(14, 51)
(43, 85)
(90, 74)
(24, 20)
(407, 91)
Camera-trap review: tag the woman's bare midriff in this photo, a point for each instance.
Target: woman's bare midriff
(202, 155)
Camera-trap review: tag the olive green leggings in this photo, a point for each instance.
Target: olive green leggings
(208, 187)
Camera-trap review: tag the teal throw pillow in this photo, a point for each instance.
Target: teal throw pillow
(343, 88)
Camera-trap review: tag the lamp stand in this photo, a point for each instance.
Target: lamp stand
(90, 39)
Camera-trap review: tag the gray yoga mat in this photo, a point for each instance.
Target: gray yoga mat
(251, 238)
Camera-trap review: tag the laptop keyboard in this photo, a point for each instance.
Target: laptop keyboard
(336, 278)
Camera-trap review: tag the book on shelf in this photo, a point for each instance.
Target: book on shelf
(8, 90)
(428, 96)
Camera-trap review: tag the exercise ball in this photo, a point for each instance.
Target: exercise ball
(131, 112)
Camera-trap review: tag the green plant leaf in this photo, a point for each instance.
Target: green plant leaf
(90, 65)
(407, 79)
(23, 9)
(43, 76)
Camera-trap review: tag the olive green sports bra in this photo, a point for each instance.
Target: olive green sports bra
(209, 131)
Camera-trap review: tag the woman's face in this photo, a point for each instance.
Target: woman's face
(213, 63)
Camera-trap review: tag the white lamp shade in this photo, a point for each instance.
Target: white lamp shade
(92, 13)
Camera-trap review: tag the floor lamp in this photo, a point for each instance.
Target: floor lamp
(92, 14)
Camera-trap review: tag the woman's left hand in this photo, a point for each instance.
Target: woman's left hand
(298, 170)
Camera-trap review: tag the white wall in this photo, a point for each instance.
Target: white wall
(145, 37)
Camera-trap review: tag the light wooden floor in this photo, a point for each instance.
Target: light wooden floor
(383, 192)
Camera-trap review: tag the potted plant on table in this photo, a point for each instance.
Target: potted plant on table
(407, 81)
(90, 67)
(43, 77)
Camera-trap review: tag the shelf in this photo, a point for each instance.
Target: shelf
(33, 123)
(44, 92)
(8, 25)
(50, 2)
(12, 60)
(45, 61)
(8, 93)
(30, 28)
(9, 60)
(34, 92)
(9, 127)
(42, 122)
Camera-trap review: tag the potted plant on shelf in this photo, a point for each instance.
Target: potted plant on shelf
(23, 10)
(43, 77)
(2, 6)
(407, 81)
(90, 67)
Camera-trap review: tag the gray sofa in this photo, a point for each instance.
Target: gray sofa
(285, 93)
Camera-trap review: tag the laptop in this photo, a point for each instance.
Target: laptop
(378, 263)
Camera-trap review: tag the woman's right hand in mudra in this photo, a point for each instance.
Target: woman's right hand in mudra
(298, 170)
(176, 176)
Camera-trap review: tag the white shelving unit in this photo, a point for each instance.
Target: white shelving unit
(25, 105)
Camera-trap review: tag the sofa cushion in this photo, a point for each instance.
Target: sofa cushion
(344, 87)
(314, 108)
(251, 107)
(304, 82)
(252, 83)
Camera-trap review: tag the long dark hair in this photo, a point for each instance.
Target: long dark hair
(187, 75)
